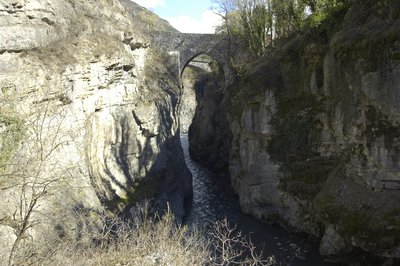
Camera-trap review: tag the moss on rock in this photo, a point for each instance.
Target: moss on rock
(10, 136)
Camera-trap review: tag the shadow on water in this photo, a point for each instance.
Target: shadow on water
(213, 200)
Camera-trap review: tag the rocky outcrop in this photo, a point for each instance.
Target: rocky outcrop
(88, 118)
(192, 80)
(145, 19)
(209, 135)
(188, 98)
(316, 132)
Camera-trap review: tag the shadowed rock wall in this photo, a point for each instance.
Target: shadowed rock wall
(316, 133)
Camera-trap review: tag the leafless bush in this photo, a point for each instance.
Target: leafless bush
(230, 247)
(31, 173)
(154, 240)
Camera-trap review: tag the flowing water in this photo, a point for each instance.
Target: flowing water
(214, 199)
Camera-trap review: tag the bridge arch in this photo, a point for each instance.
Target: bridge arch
(186, 46)
(201, 60)
(217, 53)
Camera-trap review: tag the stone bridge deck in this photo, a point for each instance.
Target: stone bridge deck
(186, 46)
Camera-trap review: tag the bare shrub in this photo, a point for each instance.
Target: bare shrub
(154, 240)
(230, 247)
(148, 239)
(30, 173)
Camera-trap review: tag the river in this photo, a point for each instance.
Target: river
(214, 199)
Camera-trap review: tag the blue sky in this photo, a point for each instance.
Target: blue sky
(187, 16)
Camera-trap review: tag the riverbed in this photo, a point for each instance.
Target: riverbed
(214, 199)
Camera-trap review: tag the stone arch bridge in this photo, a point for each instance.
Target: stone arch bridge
(187, 46)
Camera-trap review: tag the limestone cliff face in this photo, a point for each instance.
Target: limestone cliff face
(188, 98)
(88, 112)
(209, 134)
(316, 134)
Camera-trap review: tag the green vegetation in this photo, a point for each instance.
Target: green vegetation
(323, 62)
(322, 10)
(297, 127)
(379, 125)
(152, 21)
(10, 136)
(366, 224)
(259, 23)
(144, 19)
(378, 228)
(294, 144)
(141, 190)
(307, 177)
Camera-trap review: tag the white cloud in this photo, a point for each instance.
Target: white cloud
(150, 3)
(206, 24)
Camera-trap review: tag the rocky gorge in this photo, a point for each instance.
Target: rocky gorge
(91, 113)
(312, 135)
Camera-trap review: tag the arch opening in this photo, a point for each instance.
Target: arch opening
(196, 76)
(203, 61)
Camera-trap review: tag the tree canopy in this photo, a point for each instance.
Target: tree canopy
(259, 22)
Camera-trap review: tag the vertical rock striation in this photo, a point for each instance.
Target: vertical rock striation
(315, 134)
(188, 99)
(91, 110)
(209, 134)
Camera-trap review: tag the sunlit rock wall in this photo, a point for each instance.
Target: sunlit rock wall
(88, 115)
